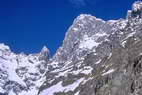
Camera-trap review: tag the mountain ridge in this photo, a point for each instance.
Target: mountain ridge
(97, 58)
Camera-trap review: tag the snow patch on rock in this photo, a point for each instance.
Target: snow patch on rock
(88, 43)
(59, 88)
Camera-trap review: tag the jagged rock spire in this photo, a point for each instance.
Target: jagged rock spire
(44, 49)
(136, 10)
(44, 54)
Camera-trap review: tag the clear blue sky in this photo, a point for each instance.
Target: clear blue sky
(27, 25)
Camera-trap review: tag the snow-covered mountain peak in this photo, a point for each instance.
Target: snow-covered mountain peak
(83, 16)
(137, 6)
(4, 47)
(84, 30)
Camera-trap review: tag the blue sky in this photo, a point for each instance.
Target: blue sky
(27, 25)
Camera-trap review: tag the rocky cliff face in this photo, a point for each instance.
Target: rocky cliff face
(97, 58)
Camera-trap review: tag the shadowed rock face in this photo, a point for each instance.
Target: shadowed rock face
(97, 58)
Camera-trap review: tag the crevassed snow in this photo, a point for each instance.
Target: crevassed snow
(88, 43)
(59, 88)
(108, 72)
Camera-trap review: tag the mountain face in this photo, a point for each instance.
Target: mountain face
(97, 58)
(21, 74)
